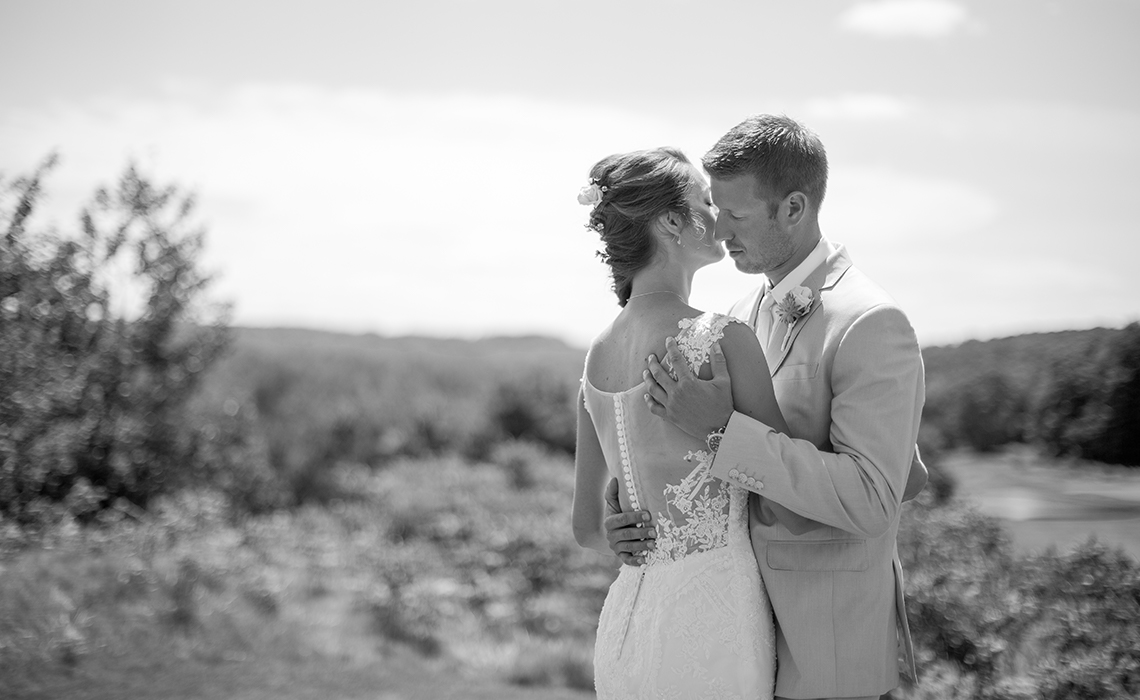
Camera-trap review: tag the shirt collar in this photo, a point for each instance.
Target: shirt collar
(796, 277)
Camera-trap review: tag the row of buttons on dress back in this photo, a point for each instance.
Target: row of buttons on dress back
(626, 468)
(745, 479)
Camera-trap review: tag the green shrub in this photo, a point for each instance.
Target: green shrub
(93, 404)
(1091, 598)
(960, 601)
(537, 408)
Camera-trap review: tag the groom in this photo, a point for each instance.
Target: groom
(848, 376)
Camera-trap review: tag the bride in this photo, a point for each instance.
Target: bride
(693, 621)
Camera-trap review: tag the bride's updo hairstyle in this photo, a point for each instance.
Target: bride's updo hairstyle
(635, 189)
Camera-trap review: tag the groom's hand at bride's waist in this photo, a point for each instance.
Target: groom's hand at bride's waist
(629, 534)
(694, 405)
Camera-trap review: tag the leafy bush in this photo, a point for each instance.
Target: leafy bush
(1091, 598)
(959, 571)
(537, 408)
(93, 403)
(989, 626)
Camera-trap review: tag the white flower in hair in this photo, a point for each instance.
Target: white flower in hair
(591, 195)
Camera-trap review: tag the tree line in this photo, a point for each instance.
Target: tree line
(1072, 394)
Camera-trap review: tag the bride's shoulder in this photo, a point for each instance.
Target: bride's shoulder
(708, 325)
(699, 333)
(600, 347)
(735, 336)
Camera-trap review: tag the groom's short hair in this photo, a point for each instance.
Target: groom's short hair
(783, 155)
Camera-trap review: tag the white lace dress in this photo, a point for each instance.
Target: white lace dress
(694, 621)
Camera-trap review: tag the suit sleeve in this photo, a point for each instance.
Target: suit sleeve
(878, 392)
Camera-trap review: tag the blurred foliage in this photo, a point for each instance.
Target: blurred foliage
(444, 557)
(436, 556)
(92, 402)
(539, 409)
(1091, 408)
(320, 400)
(1074, 393)
(988, 625)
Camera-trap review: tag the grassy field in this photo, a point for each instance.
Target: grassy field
(1052, 503)
(407, 677)
(441, 579)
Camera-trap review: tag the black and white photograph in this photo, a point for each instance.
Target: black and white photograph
(523, 349)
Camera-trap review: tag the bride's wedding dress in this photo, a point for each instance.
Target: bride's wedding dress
(694, 621)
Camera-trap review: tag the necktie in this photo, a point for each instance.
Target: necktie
(764, 318)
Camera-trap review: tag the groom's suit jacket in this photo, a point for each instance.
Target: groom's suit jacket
(849, 380)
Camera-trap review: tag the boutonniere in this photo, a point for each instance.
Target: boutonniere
(792, 308)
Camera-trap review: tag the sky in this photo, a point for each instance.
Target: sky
(412, 167)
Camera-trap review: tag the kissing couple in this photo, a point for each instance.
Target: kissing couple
(749, 469)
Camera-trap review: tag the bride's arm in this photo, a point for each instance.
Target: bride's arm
(753, 395)
(590, 477)
(752, 392)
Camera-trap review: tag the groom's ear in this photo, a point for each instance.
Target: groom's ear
(794, 208)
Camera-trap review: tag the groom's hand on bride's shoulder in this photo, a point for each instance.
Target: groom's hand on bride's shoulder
(696, 406)
(629, 534)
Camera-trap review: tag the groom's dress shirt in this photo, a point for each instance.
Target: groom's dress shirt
(765, 316)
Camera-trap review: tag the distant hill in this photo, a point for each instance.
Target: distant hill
(314, 398)
(522, 353)
(1072, 391)
(1022, 357)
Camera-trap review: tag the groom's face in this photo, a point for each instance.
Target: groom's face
(753, 238)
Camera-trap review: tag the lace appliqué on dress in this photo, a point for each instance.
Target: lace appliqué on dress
(698, 518)
(698, 335)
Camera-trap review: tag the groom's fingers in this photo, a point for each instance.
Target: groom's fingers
(660, 374)
(626, 539)
(653, 390)
(677, 359)
(654, 396)
(624, 526)
(655, 408)
(719, 364)
(658, 381)
(612, 501)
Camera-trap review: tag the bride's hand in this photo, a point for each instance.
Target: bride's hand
(694, 405)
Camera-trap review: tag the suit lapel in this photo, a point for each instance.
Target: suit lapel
(777, 349)
(821, 279)
(746, 308)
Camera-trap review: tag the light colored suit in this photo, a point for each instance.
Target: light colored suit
(850, 384)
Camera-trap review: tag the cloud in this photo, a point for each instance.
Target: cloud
(362, 209)
(923, 19)
(455, 214)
